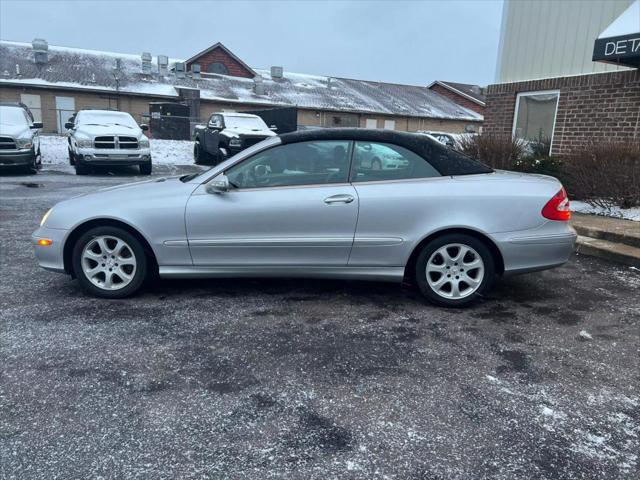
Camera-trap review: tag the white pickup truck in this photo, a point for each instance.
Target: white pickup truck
(109, 138)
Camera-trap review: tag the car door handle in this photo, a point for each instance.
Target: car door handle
(339, 199)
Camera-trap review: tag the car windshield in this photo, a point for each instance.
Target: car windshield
(251, 123)
(13, 116)
(106, 118)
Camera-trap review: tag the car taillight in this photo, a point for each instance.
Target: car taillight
(558, 207)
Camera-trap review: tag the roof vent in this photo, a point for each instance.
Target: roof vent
(195, 70)
(258, 85)
(40, 51)
(146, 63)
(277, 73)
(163, 64)
(180, 70)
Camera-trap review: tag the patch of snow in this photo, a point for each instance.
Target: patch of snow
(616, 212)
(586, 335)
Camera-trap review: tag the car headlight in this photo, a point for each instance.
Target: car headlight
(46, 215)
(24, 142)
(84, 142)
(234, 142)
(143, 142)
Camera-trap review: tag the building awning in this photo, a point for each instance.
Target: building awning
(620, 42)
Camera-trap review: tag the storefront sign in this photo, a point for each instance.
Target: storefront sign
(624, 49)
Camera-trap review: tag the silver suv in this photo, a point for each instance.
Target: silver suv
(107, 138)
(19, 139)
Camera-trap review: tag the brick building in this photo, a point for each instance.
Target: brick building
(57, 81)
(557, 82)
(469, 96)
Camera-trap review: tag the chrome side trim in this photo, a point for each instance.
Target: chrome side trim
(377, 241)
(382, 274)
(274, 242)
(544, 239)
(176, 243)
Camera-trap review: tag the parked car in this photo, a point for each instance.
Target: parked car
(107, 138)
(375, 156)
(226, 134)
(19, 138)
(304, 205)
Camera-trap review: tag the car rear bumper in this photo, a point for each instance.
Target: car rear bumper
(50, 257)
(531, 251)
(14, 158)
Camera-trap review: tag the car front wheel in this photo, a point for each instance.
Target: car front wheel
(109, 262)
(455, 270)
(145, 168)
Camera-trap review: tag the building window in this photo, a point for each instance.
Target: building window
(389, 124)
(371, 123)
(535, 118)
(33, 103)
(341, 121)
(218, 67)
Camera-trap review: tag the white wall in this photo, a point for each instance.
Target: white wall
(553, 38)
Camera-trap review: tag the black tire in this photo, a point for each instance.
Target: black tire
(145, 168)
(32, 166)
(39, 163)
(200, 157)
(462, 239)
(72, 158)
(141, 259)
(81, 168)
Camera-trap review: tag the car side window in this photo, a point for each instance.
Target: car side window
(304, 163)
(383, 161)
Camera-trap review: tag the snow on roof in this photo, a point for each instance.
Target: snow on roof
(94, 70)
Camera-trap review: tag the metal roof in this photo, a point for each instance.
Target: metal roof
(79, 69)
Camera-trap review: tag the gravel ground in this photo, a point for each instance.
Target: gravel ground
(311, 379)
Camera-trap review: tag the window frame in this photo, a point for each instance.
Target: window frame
(350, 153)
(531, 94)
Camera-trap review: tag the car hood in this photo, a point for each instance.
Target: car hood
(100, 130)
(14, 131)
(115, 202)
(236, 132)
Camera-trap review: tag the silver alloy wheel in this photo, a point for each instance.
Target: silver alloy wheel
(455, 271)
(108, 262)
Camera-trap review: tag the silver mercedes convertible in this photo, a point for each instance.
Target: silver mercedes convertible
(335, 203)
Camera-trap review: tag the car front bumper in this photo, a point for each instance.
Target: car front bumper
(50, 257)
(91, 156)
(12, 158)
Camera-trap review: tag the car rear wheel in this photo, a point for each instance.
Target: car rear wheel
(200, 157)
(109, 262)
(454, 270)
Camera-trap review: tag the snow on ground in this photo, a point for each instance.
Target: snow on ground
(163, 152)
(617, 212)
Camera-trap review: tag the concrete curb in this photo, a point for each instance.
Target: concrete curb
(615, 252)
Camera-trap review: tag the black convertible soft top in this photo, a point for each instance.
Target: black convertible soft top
(441, 157)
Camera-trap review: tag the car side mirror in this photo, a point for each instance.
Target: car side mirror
(36, 125)
(68, 125)
(218, 185)
(144, 127)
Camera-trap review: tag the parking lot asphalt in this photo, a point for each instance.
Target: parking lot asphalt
(310, 379)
